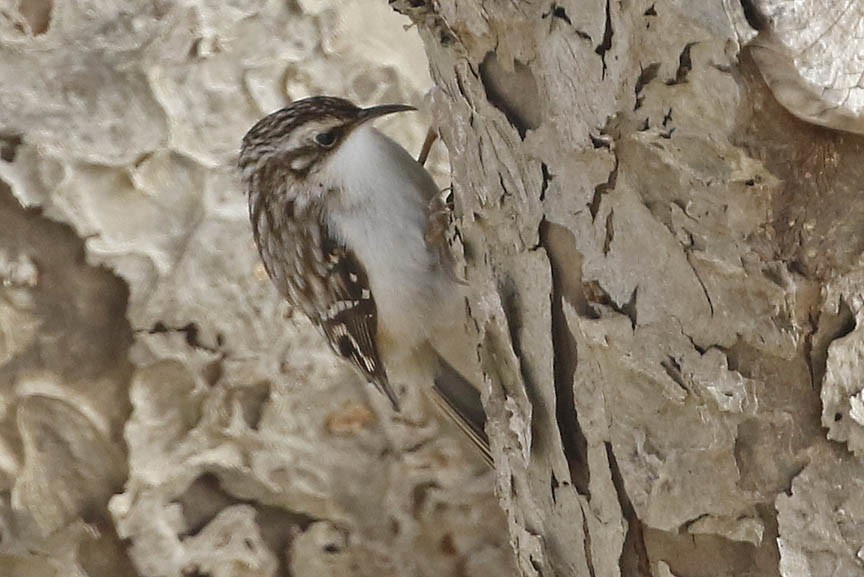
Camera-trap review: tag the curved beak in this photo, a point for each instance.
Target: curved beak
(378, 111)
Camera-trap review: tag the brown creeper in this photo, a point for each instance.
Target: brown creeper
(339, 213)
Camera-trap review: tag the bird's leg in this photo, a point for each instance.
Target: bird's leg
(431, 137)
(439, 210)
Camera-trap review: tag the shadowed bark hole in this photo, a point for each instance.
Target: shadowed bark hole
(559, 243)
(205, 498)
(212, 372)
(610, 232)
(634, 556)
(513, 92)
(84, 337)
(560, 12)
(194, 571)
(601, 189)
(81, 307)
(202, 501)
(9, 144)
(547, 178)
(513, 312)
(830, 327)
(673, 370)
(703, 554)
(647, 74)
(685, 65)
(253, 400)
(91, 552)
(37, 14)
(606, 44)
(754, 15)
(510, 304)
(191, 333)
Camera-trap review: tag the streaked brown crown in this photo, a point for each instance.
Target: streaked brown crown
(304, 132)
(277, 124)
(269, 136)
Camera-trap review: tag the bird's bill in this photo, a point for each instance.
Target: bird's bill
(384, 109)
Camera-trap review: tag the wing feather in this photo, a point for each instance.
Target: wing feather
(319, 275)
(350, 322)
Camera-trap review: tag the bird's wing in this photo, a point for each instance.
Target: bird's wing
(319, 275)
(350, 318)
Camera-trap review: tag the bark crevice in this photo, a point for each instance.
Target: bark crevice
(565, 361)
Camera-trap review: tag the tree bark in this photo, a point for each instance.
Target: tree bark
(657, 206)
(667, 273)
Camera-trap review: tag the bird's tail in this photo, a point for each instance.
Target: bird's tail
(460, 401)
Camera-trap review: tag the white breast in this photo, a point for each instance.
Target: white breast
(380, 213)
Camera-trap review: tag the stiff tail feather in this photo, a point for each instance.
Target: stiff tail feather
(460, 401)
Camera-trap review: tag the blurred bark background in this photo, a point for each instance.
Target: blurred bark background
(162, 412)
(657, 204)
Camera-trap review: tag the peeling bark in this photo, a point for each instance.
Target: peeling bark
(657, 232)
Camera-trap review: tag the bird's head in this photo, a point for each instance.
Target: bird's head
(300, 136)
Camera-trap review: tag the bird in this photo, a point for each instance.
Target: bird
(347, 224)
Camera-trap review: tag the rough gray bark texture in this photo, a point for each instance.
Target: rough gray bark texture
(654, 204)
(668, 277)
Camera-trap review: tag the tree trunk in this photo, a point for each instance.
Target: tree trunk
(667, 272)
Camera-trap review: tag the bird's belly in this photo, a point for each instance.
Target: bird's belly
(405, 281)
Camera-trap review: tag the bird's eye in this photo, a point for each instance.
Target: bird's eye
(326, 139)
